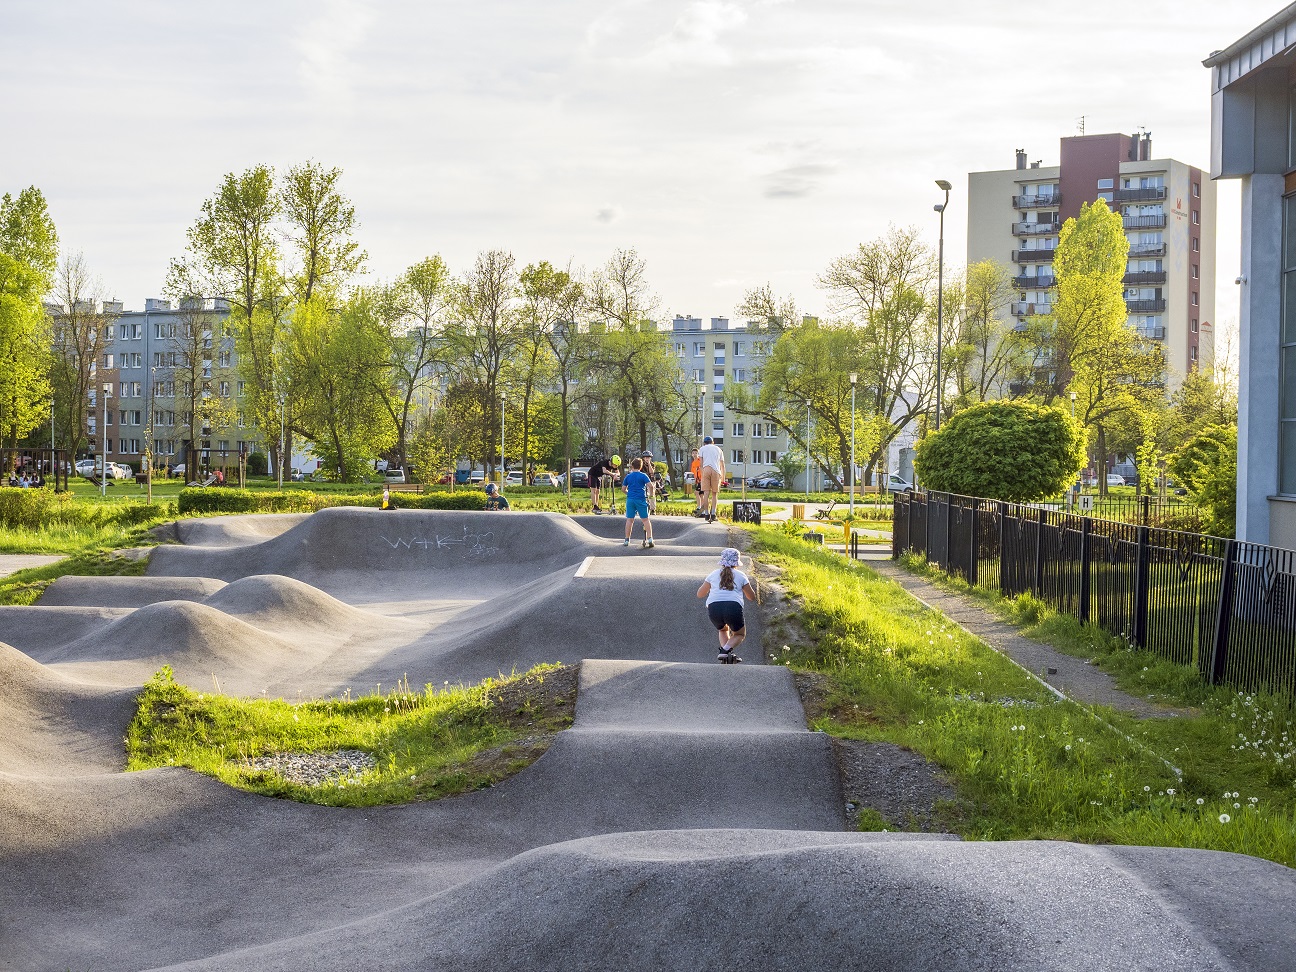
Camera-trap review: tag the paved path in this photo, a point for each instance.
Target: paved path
(1074, 677)
(12, 563)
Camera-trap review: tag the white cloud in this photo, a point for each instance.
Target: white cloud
(608, 214)
(326, 45)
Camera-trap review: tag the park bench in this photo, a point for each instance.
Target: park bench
(404, 487)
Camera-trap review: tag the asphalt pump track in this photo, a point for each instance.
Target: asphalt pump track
(687, 820)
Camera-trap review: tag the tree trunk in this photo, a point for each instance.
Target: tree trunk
(1102, 461)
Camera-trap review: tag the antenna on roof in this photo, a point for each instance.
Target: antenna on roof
(1080, 124)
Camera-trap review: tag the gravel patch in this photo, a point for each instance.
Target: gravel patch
(316, 769)
(896, 782)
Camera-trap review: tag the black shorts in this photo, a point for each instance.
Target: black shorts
(726, 614)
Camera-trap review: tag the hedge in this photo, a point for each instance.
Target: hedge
(227, 500)
(34, 508)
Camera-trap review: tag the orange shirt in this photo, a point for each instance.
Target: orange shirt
(695, 467)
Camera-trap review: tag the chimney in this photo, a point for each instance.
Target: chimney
(1145, 147)
(1021, 158)
(1036, 165)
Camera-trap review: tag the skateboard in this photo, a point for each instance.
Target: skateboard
(727, 657)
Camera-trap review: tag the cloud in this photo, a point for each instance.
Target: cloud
(795, 181)
(326, 44)
(608, 214)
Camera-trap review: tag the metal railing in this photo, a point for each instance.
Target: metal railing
(1143, 222)
(1032, 201)
(1042, 282)
(1153, 332)
(1225, 607)
(1034, 229)
(1143, 277)
(1021, 308)
(1147, 249)
(1140, 195)
(1150, 306)
(1033, 256)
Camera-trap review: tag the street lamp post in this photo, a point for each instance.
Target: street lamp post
(940, 298)
(502, 441)
(103, 456)
(809, 435)
(854, 377)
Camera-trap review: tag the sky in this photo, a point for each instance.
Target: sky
(733, 143)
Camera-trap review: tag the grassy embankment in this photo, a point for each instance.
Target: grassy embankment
(1024, 764)
(427, 744)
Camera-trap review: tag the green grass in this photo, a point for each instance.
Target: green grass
(25, 586)
(1023, 764)
(427, 744)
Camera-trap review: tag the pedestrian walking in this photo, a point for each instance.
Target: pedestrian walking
(724, 590)
(636, 486)
(695, 467)
(713, 468)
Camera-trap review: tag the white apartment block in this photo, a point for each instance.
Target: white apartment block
(1167, 207)
(709, 357)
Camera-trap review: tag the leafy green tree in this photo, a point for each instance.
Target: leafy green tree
(1207, 465)
(77, 331)
(28, 258)
(1008, 450)
(320, 224)
(988, 350)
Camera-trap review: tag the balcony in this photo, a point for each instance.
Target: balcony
(1143, 278)
(1025, 308)
(1036, 202)
(1034, 229)
(1147, 249)
(1139, 195)
(1042, 282)
(1146, 306)
(1154, 333)
(1144, 222)
(1033, 256)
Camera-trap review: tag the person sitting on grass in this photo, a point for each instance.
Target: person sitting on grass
(494, 498)
(724, 590)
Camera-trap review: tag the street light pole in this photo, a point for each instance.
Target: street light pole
(809, 434)
(103, 456)
(854, 377)
(502, 440)
(940, 299)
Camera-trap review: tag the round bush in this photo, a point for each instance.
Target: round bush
(1013, 451)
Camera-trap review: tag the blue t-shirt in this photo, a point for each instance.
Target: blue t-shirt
(636, 486)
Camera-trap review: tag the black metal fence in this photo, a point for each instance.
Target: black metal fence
(1226, 607)
(35, 467)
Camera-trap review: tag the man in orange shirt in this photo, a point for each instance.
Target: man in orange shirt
(695, 467)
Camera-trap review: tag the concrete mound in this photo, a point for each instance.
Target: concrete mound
(665, 528)
(52, 725)
(273, 602)
(40, 629)
(196, 640)
(760, 900)
(126, 592)
(235, 531)
(367, 552)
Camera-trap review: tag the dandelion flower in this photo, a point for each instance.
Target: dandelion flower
(1225, 818)
(1200, 801)
(1147, 789)
(1068, 747)
(1170, 792)
(1237, 806)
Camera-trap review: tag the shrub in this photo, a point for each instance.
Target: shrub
(222, 500)
(257, 464)
(32, 509)
(1013, 451)
(1207, 466)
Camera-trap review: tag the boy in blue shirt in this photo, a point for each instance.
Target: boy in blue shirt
(636, 486)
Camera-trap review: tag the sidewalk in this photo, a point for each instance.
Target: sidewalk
(12, 563)
(1074, 677)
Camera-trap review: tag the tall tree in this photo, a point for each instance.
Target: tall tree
(567, 344)
(78, 332)
(487, 335)
(28, 258)
(194, 383)
(767, 312)
(543, 293)
(321, 222)
(987, 349)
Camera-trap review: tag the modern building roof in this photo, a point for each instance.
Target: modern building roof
(1272, 39)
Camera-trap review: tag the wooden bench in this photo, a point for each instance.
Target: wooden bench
(404, 487)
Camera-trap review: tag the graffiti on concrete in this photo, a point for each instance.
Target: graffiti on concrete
(476, 544)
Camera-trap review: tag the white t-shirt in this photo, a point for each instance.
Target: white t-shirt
(718, 593)
(711, 455)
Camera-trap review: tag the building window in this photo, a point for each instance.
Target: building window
(124, 391)
(108, 359)
(1106, 196)
(1106, 183)
(1196, 245)
(1194, 272)
(738, 429)
(1287, 357)
(1193, 299)
(740, 349)
(1192, 325)
(1196, 215)
(1196, 190)
(699, 347)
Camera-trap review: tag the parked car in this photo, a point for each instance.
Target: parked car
(769, 482)
(515, 477)
(1115, 479)
(579, 479)
(476, 477)
(545, 479)
(296, 476)
(895, 484)
(689, 479)
(86, 467)
(394, 474)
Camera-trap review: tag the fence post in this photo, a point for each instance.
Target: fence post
(974, 545)
(1086, 560)
(949, 520)
(1223, 615)
(1141, 572)
(1147, 506)
(1039, 553)
(896, 500)
(1003, 548)
(927, 509)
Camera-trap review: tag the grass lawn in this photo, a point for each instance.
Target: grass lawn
(426, 744)
(1025, 765)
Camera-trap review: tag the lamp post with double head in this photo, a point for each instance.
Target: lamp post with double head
(854, 377)
(940, 299)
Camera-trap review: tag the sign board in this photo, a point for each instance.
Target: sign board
(1086, 502)
(747, 511)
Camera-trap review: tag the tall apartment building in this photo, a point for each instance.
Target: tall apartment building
(144, 355)
(710, 357)
(1168, 210)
